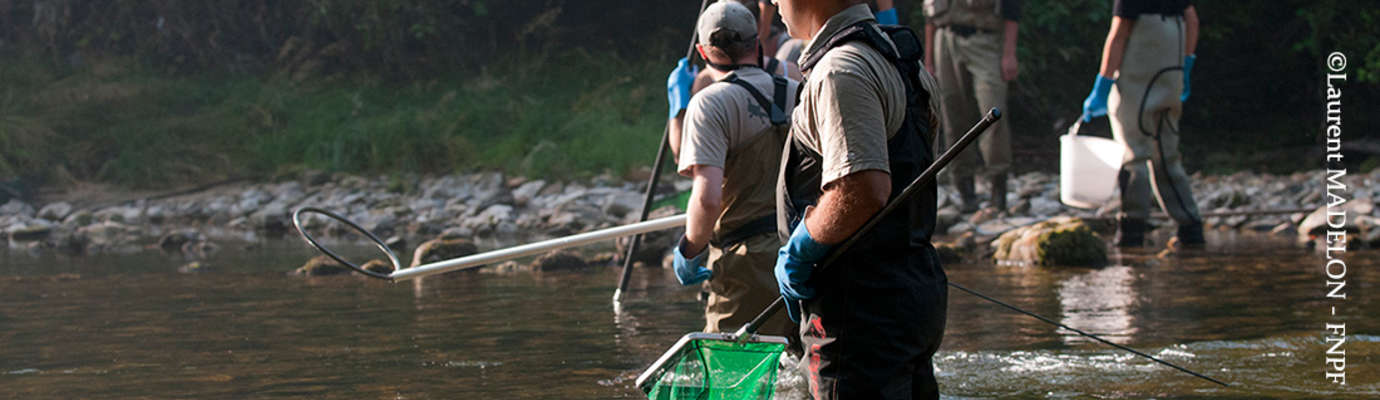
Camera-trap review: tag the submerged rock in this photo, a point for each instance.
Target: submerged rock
(378, 266)
(173, 242)
(558, 260)
(320, 266)
(442, 249)
(1059, 241)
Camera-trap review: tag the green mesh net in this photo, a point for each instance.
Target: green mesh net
(713, 366)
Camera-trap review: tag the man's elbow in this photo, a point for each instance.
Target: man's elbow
(711, 204)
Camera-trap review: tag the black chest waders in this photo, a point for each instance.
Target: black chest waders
(879, 315)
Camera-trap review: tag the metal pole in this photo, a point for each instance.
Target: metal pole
(652, 181)
(477, 260)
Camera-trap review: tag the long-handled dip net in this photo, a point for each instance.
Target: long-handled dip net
(709, 366)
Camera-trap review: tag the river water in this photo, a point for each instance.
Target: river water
(1249, 311)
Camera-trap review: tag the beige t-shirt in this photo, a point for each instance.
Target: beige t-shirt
(853, 101)
(724, 116)
(726, 127)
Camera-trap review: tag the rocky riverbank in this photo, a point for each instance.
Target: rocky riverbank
(500, 210)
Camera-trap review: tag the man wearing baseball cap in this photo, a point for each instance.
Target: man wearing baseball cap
(734, 130)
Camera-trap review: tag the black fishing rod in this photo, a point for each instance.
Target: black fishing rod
(926, 178)
(652, 181)
(1089, 335)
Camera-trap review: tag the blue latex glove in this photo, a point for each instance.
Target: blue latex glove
(1096, 103)
(678, 86)
(690, 271)
(794, 264)
(1188, 66)
(888, 17)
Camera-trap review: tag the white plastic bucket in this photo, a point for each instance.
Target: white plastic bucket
(1088, 166)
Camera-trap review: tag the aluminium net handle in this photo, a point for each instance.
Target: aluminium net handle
(925, 179)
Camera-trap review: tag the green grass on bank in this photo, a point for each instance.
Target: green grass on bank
(564, 116)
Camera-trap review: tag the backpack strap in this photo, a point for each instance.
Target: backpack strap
(772, 66)
(775, 112)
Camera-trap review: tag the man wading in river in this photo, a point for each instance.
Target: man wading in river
(859, 136)
(731, 147)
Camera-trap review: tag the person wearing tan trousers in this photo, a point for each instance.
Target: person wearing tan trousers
(971, 50)
(1142, 84)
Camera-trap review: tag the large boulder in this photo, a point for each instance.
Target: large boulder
(274, 217)
(1062, 241)
(55, 211)
(16, 207)
(108, 235)
(29, 230)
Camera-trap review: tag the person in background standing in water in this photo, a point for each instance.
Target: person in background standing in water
(971, 49)
(860, 134)
(1143, 81)
(731, 147)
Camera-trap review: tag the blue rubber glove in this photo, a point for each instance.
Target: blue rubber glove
(794, 264)
(1096, 103)
(690, 271)
(678, 86)
(888, 17)
(1188, 66)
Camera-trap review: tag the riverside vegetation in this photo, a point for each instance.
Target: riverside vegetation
(150, 93)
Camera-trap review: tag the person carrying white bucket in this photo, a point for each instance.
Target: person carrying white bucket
(1143, 81)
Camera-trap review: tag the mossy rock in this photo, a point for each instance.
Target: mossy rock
(442, 249)
(1071, 245)
(1057, 242)
(378, 266)
(322, 265)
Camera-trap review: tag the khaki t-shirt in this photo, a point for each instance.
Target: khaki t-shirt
(726, 127)
(853, 101)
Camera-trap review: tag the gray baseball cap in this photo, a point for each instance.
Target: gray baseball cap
(724, 23)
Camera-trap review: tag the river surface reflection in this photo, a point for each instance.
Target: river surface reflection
(1248, 310)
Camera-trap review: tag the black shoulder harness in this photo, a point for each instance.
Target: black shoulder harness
(775, 110)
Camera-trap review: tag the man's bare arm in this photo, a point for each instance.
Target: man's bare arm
(706, 203)
(1115, 46)
(929, 46)
(1190, 30)
(847, 204)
